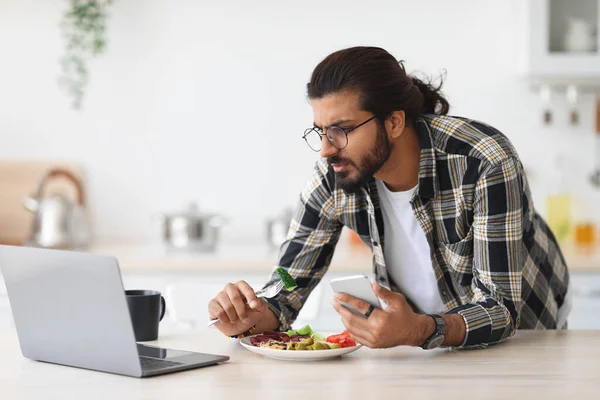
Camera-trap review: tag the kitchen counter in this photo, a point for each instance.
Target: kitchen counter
(533, 364)
(260, 258)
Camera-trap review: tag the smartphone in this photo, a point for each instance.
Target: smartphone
(358, 286)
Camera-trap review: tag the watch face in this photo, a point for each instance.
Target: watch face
(436, 342)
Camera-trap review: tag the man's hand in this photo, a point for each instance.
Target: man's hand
(238, 308)
(397, 325)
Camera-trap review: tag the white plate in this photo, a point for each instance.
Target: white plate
(298, 355)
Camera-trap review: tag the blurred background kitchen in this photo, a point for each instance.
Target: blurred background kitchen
(182, 153)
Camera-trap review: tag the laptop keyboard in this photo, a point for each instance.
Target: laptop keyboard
(153, 364)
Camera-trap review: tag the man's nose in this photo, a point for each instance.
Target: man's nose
(327, 149)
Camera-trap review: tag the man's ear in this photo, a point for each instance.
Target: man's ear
(395, 124)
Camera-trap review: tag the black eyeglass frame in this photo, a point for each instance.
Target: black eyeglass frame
(345, 130)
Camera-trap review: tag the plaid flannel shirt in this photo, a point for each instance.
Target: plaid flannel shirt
(497, 263)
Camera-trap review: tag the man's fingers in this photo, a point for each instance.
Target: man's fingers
(356, 326)
(226, 304)
(358, 304)
(248, 294)
(359, 336)
(238, 301)
(356, 321)
(384, 293)
(215, 310)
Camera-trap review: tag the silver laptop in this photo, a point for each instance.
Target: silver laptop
(69, 308)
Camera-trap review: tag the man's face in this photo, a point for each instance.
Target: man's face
(368, 146)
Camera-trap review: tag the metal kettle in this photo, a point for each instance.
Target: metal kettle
(59, 222)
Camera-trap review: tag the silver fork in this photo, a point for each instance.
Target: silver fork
(267, 293)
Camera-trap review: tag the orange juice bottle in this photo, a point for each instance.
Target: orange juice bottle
(585, 234)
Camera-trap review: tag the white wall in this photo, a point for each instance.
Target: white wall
(205, 101)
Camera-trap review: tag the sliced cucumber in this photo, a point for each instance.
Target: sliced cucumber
(288, 282)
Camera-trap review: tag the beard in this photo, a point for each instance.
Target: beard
(369, 164)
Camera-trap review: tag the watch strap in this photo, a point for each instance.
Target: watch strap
(439, 333)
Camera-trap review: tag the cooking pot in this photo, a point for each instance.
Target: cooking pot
(192, 230)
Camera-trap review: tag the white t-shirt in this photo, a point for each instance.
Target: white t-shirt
(406, 251)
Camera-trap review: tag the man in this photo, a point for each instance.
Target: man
(460, 255)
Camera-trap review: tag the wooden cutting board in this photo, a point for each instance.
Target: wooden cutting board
(19, 179)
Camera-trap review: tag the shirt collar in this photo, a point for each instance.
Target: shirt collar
(428, 183)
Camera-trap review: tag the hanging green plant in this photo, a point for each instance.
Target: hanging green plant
(83, 27)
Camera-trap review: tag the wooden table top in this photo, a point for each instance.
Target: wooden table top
(533, 364)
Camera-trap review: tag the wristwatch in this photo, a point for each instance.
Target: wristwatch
(437, 337)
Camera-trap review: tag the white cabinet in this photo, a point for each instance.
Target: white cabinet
(187, 296)
(190, 292)
(586, 301)
(563, 40)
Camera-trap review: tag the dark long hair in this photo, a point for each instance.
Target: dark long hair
(381, 81)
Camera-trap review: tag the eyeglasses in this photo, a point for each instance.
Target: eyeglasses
(338, 137)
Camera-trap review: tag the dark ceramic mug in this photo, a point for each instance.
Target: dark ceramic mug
(146, 308)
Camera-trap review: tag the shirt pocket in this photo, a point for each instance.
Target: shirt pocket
(458, 257)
